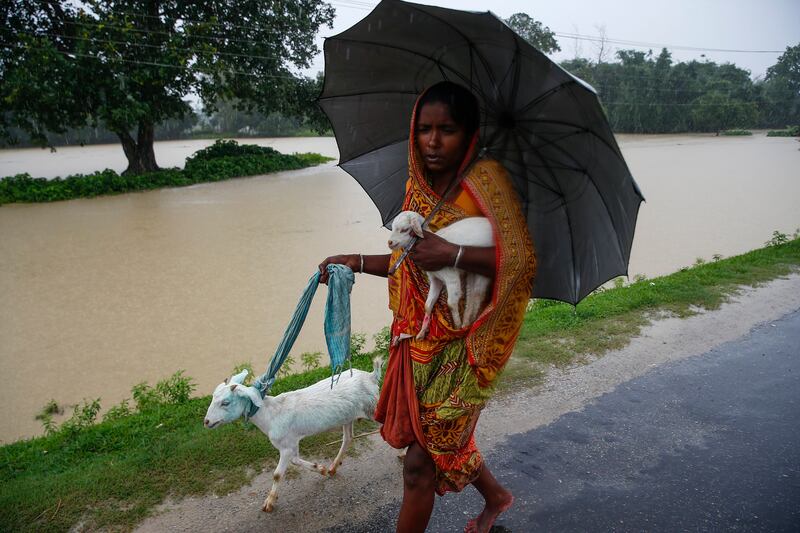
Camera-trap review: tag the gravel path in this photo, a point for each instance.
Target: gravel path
(370, 482)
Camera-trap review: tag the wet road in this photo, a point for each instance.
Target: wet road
(710, 443)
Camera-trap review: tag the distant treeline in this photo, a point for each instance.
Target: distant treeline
(641, 93)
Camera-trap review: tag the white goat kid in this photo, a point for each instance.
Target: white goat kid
(472, 231)
(290, 416)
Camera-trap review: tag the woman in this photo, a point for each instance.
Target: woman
(435, 388)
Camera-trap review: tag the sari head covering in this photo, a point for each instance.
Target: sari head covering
(436, 387)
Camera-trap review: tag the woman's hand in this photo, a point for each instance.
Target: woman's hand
(351, 260)
(433, 253)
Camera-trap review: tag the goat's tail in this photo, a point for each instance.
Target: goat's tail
(377, 366)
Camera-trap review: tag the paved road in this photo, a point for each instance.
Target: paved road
(710, 443)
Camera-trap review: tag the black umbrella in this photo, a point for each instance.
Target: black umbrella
(543, 124)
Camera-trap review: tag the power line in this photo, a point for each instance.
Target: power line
(217, 38)
(147, 63)
(599, 38)
(203, 22)
(146, 45)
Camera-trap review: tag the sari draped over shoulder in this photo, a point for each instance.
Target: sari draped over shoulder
(435, 388)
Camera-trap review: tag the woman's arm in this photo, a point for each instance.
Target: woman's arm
(433, 253)
(377, 265)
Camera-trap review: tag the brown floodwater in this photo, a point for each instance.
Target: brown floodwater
(97, 295)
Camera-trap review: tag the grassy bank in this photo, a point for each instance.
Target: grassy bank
(112, 474)
(220, 161)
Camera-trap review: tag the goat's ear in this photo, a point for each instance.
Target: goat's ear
(226, 381)
(251, 393)
(239, 378)
(416, 227)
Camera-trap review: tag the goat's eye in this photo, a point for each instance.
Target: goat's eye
(225, 403)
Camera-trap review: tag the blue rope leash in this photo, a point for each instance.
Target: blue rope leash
(337, 324)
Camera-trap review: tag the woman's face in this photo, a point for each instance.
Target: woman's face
(442, 142)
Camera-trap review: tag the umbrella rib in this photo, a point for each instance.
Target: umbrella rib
(438, 62)
(484, 62)
(614, 149)
(576, 286)
(620, 247)
(545, 163)
(364, 93)
(544, 96)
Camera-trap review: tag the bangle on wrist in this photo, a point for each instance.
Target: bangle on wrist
(361, 270)
(458, 256)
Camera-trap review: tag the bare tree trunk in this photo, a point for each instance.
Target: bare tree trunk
(140, 154)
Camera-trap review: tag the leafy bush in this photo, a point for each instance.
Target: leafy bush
(83, 416)
(118, 411)
(734, 133)
(777, 239)
(357, 343)
(310, 360)
(382, 339)
(790, 131)
(230, 148)
(176, 389)
(233, 161)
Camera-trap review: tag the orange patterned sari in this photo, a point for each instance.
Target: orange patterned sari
(435, 388)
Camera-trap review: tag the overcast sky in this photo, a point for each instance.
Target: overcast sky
(721, 24)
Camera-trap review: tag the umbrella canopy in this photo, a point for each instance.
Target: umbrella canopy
(543, 124)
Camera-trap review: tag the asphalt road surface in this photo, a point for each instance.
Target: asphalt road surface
(710, 443)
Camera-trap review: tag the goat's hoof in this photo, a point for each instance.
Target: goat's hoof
(323, 470)
(332, 472)
(267, 508)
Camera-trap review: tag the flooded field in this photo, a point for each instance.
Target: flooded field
(97, 295)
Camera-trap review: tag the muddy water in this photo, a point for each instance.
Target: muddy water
(98, 295)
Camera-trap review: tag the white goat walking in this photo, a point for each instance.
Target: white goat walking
(290, 416)
(472, 231)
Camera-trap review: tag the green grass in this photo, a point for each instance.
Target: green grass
(111, 475)
(558, 334)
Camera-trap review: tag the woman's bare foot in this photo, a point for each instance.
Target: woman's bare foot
(484, 521)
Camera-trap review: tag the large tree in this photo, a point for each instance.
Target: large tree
(534, 32)
(128, 65)
(780, 101)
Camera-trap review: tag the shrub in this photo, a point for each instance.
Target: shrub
(221, 161)
(230, 148)
(790, 131)
(734, 133)
(382, 339)
(118, 411)
(310, 360)
(173, 390)
(82, 417)
(777, 239)
(357, 343)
